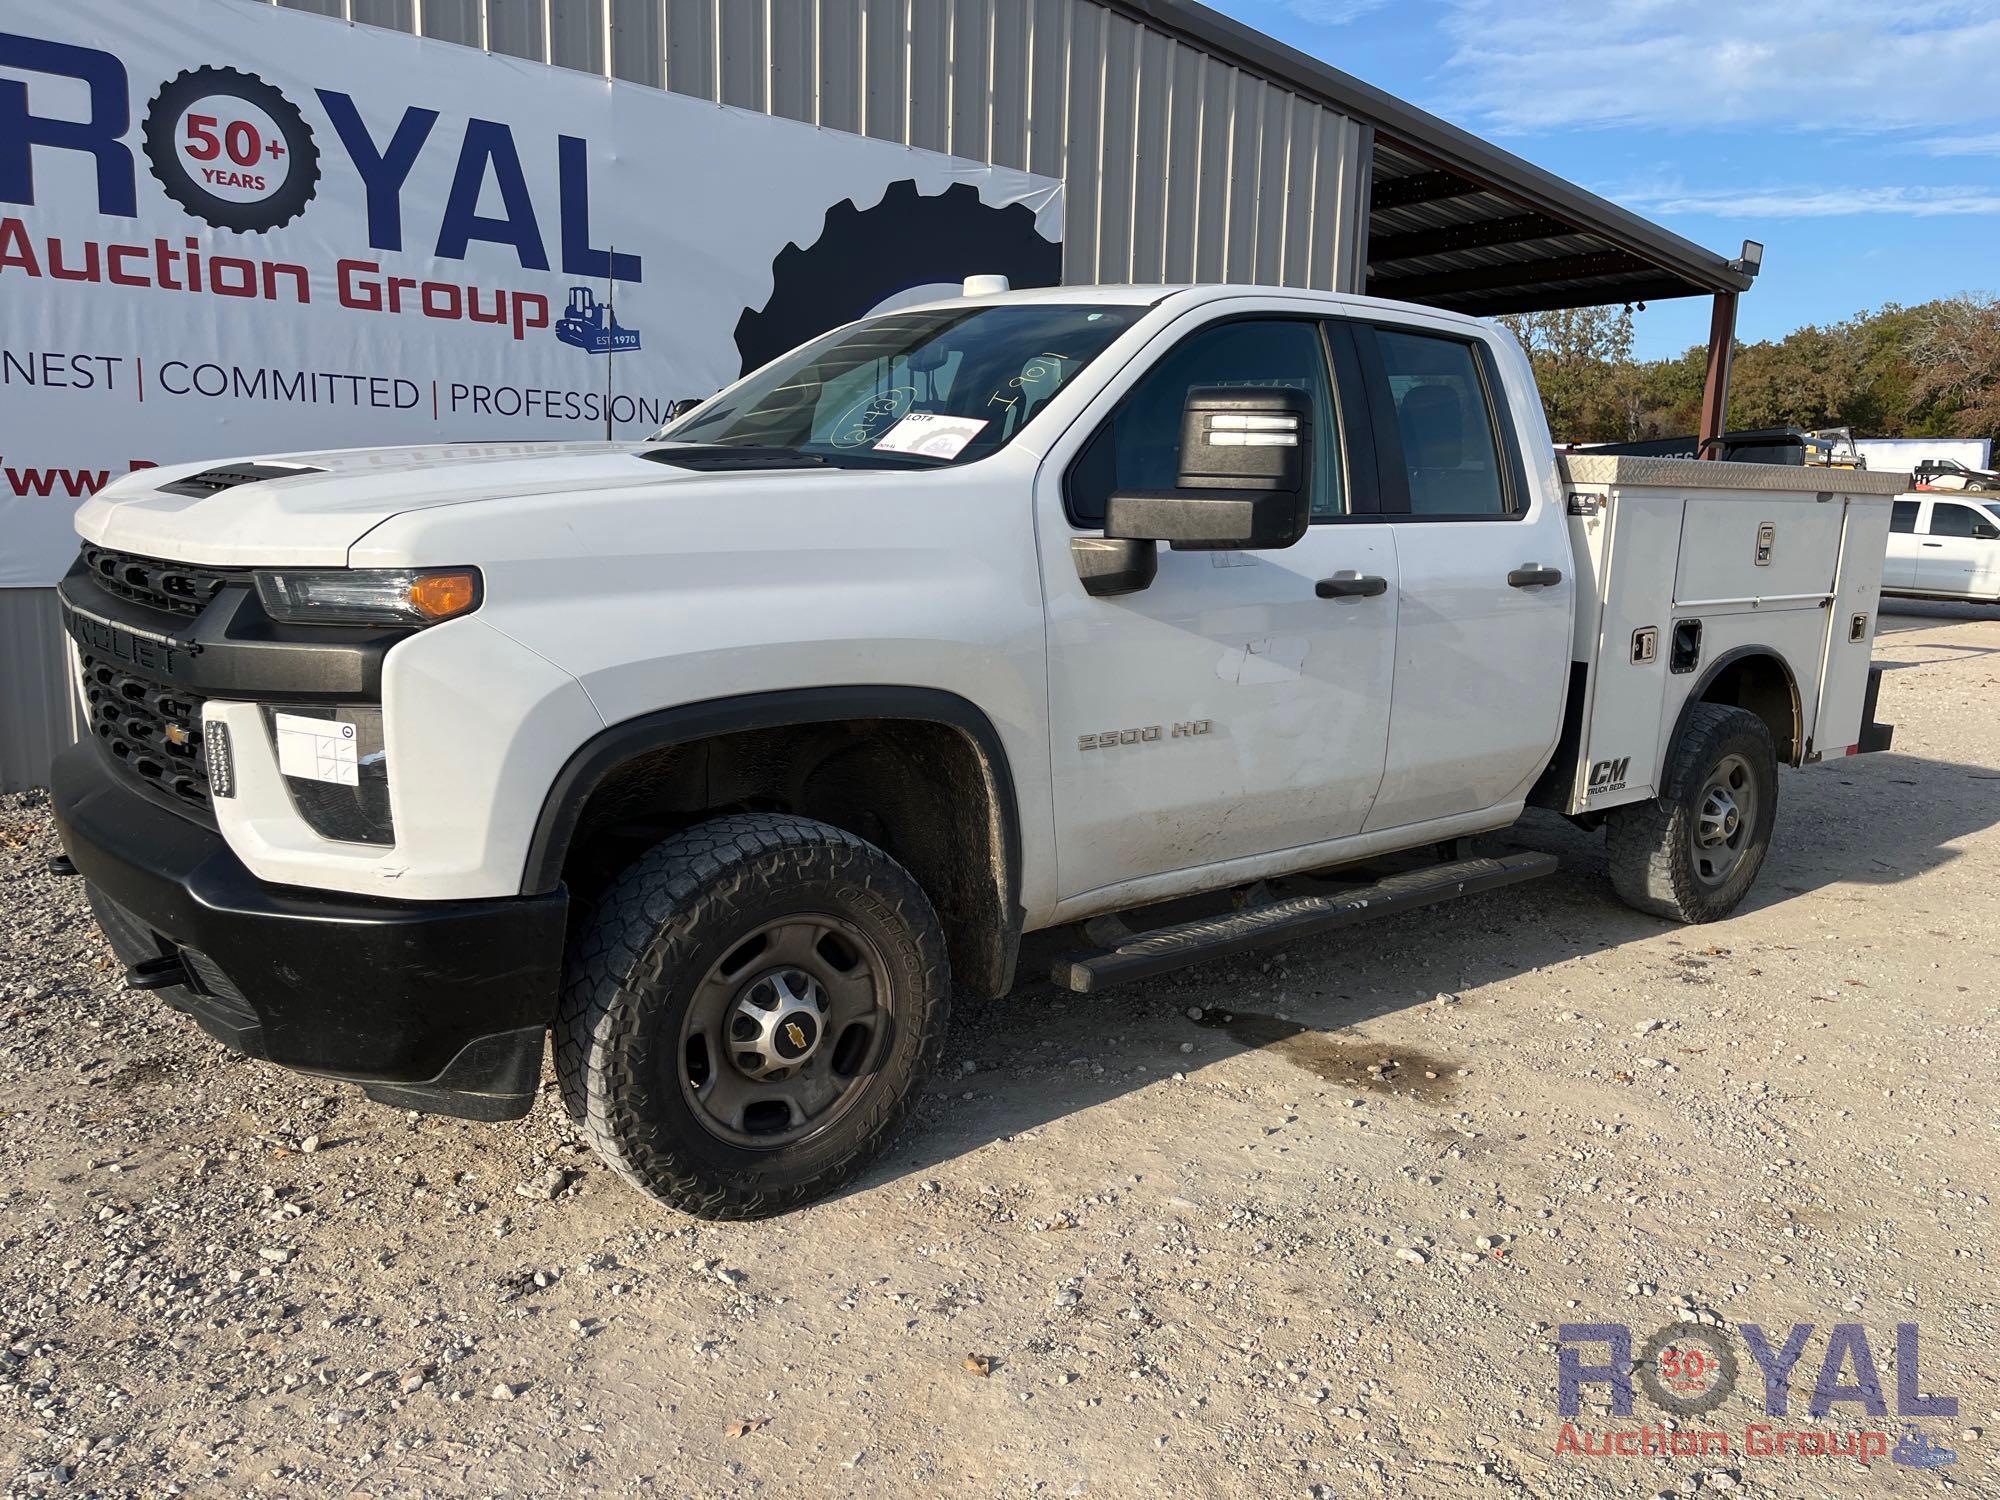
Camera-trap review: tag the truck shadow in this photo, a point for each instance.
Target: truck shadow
(1902, 617)
(1042, 1054)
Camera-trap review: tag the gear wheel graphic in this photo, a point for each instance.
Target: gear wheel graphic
(1674, 1334)
(283, 203)
(866, 255)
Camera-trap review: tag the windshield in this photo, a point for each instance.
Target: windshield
(911, 389)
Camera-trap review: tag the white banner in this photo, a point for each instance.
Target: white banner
(227, 228)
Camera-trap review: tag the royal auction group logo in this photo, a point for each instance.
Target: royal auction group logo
(1690, 1369)
(238, 153)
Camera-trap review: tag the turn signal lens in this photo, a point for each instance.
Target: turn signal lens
(368, 596)
(439, 596)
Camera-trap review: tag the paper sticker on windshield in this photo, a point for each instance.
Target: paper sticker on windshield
(930, 434)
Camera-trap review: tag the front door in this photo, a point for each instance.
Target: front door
(1483, 621)
(1959, 554)
(1225, 711)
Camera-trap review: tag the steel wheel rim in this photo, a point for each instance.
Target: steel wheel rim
(746, 1077)
(1725, 815)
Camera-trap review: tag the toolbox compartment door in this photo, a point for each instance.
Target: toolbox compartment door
(1857, 600)
(1778, 549)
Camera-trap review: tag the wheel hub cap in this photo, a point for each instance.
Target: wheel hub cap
(786, 1031)
(1720, 816)
(1724, 817)
(776, 1023)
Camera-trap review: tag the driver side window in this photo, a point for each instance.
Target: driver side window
(1950, 519)
(1138, 447)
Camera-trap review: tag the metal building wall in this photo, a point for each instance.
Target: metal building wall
(1176, 164)
(37, 702)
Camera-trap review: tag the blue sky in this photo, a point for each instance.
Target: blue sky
(1859, 141)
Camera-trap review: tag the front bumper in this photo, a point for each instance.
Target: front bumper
(432, 1005)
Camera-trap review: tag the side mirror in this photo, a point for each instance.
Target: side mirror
(1985, 532)
(678, 409)
(1245, 478)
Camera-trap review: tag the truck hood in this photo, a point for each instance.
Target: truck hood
(309, 509)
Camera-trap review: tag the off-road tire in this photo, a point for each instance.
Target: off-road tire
(1651, 843)
(636, 960)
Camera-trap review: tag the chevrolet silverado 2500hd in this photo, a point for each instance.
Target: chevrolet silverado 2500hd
(730, 754)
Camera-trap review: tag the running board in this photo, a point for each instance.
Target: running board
(1168, 948)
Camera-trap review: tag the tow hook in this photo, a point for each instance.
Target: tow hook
(157, 973)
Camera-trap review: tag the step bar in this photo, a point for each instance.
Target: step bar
(1167, 948)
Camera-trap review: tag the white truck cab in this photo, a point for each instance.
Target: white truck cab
(731, 754)
(1944, 546)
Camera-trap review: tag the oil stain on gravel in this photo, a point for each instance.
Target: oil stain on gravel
(1359, 1064)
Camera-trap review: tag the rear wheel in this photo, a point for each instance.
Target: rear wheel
(1692, 853)
(748, 1012)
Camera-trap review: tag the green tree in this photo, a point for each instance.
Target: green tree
(1953, 348)
(1926, 371)
(1582, 359)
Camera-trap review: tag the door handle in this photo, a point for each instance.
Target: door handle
(1351, 586)
(1933, 544)
(1533, 576)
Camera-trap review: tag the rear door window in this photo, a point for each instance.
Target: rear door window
(1904, 516)
(1444, 418)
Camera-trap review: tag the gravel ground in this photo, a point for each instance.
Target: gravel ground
(1316, 1242)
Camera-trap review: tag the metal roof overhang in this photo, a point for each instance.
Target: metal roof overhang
(1457, 222)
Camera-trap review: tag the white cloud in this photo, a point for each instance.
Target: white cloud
(1964, 145)
(1816, 201)
(1854, 65)
(1331, 12)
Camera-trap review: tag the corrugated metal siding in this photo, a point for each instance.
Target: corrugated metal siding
(1177, 165)
(37, 702)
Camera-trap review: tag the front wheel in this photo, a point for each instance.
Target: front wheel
(1692, 853)
(748, 1013)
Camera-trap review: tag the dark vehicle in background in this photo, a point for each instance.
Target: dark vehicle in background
(1831, 447)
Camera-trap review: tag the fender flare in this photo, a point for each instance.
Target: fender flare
(1800, 747)
(612, 747)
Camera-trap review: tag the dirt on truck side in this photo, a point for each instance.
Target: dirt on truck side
(1311, 1222)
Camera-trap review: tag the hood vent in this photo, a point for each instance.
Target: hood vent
(228, 476)
(733, 456)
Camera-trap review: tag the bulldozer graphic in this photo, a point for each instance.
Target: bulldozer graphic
(589, 325)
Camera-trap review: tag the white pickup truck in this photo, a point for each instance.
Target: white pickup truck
(730, 755)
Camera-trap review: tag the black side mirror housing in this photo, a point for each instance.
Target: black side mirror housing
(678, 409)
(1985, 532)
(1245, 479)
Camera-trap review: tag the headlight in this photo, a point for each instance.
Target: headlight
(334, 767)
(368, 596)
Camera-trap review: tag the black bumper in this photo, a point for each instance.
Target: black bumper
(431, 1005)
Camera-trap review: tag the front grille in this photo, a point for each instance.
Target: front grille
(184, 588)
(151, 728)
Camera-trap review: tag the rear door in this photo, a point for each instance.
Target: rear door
(1225, 712)
(1899, 564)
(1485, 592)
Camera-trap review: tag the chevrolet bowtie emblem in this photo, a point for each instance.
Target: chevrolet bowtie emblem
(176, 734)
(796, 1032)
